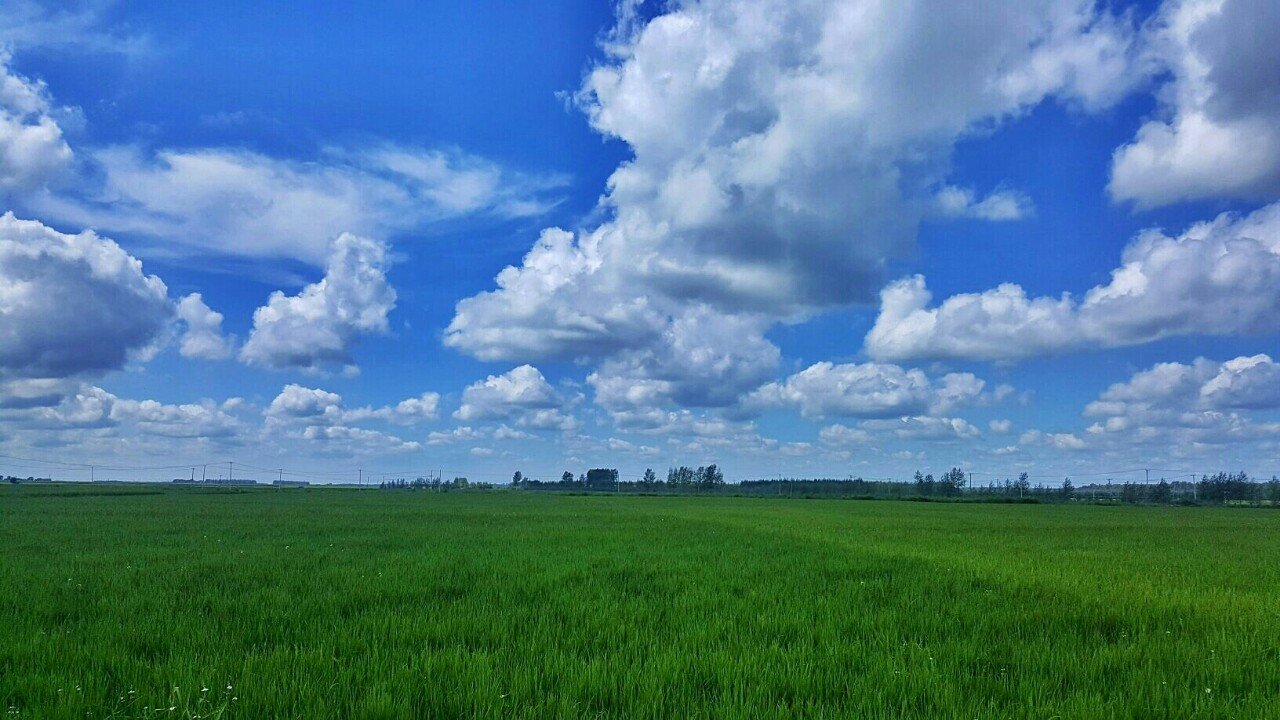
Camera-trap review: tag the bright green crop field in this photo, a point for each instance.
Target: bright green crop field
(138, 601)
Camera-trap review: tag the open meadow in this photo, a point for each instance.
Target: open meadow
(151, 601)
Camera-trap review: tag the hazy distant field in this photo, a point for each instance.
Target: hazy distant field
(329, 603)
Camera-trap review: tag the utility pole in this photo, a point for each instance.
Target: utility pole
(193, 474)
(204, 473)
(1148, 472)
(281, 476)
(231, 467)
(360, 476)
(91, 474)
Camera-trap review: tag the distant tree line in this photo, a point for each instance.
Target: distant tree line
(434, 484)
(14, 480)
(1222, 487)
(682, 478)
(951, 483)
(954, 484)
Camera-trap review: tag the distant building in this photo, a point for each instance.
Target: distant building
(290, 483)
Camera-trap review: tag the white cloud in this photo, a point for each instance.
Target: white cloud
(26, 393)
(504, 432)
(33, 152)
(841, 435)
(319, 325)
(867, 390)
(73, 304)
(298, 403)
(67, 27)
(1205, 401)
(87, 407)
(424, 407)
(924, 428)
(1000, 205)
(354, 440)
(531, 314)
(237, 202)
(463, 433)
(701, 359)
(1057, 441)
(227, 200)
(782, 153)
(203, 336)
(189, 420)
(521, 394)
(1218, 134)
(1001, 426)
(312, 406)
(1220, 277)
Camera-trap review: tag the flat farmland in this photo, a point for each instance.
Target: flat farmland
(138, 601)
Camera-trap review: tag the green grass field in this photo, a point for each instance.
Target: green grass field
(126, 601)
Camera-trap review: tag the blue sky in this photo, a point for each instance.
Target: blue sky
(715, 224)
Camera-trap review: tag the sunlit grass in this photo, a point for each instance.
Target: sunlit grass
(330, 603)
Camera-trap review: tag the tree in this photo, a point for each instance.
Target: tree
(567, 478)
(602, 478)
(1131, 492)
(683, 476)
(1068, 489)
(920, 486)
(952, 482)
(650, 477)
(517, 478)
(1023, 485)
(709, 476)
(1162, 492)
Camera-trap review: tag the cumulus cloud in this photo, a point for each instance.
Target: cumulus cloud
(26, 393)
(312, 406)
(87, 407)
(205, 419)
(843, 435)
(867, 390)
(1057, 441)
(33, 152)
(952, 201)
(915, 428)
(781, 153)
(298, 403)
(317, 417)
(925, 428)
(355, 440)
(462, 433)
(1218, 134)
(521, 394)
(701, 359)
(203, 336)
(1211, 399)
(319, 325)
(73, 304)
(1220, 277)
